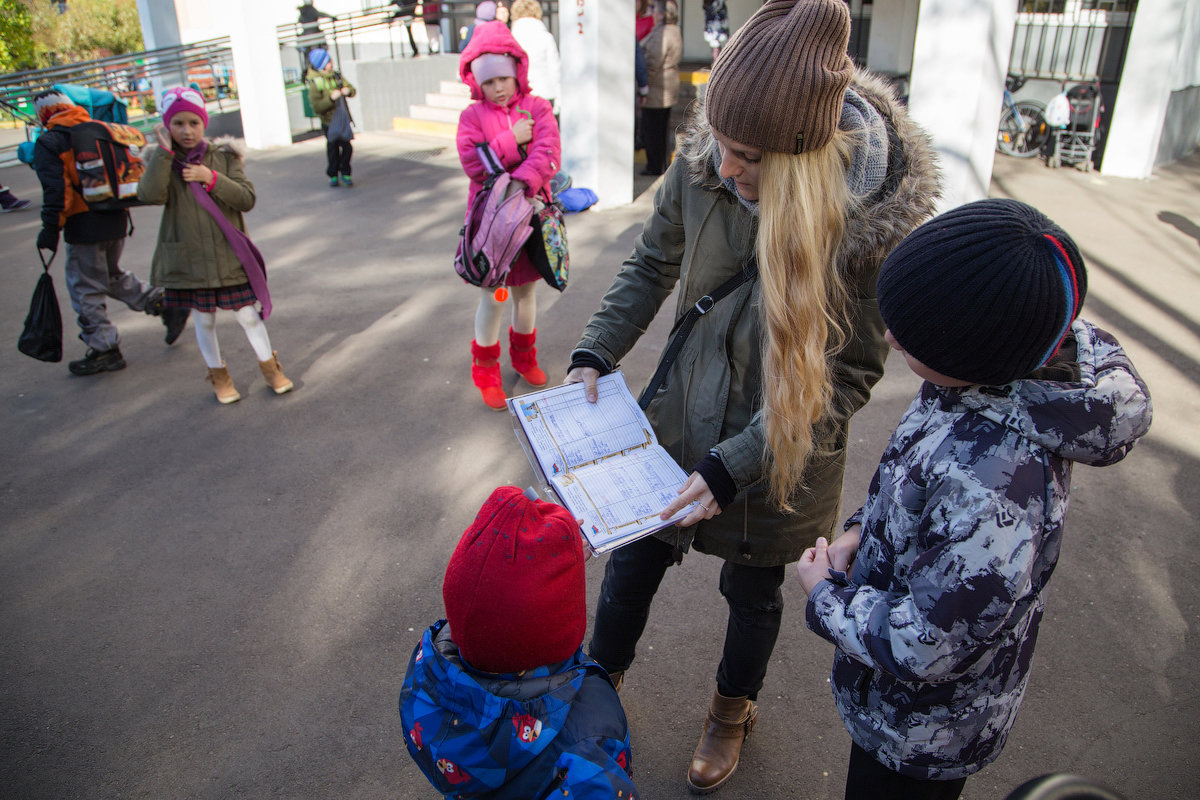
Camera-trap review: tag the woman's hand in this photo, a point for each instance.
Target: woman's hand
(162, 137)
(335, 94)
(588, 377)
(523, 130)
(197, 173)
(694, 490)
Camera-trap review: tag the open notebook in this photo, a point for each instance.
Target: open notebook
(602, 460)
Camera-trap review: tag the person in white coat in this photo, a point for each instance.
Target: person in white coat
(530, 32)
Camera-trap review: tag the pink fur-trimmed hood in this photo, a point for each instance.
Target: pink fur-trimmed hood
(492, 37)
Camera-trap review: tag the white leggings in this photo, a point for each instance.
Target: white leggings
(487, 316)
(206, 334)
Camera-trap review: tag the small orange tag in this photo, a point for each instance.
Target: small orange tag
(501, 294)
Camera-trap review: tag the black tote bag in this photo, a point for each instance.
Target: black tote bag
(42, 336)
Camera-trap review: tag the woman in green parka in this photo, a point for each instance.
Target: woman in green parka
(803, 173)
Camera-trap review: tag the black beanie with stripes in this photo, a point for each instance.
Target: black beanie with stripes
(985, 292)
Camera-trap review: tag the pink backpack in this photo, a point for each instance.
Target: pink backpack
(495, 230)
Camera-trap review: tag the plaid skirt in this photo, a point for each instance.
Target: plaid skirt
(209, 300)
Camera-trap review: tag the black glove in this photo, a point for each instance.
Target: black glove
(48, 240)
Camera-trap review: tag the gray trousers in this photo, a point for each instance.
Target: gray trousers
(93, 274)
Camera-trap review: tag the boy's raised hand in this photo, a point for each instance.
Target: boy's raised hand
(814, 565)
(162, 137)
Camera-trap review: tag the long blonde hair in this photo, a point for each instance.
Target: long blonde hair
(803, 203)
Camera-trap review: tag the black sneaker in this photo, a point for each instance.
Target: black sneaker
(175, 319)
(96, 361)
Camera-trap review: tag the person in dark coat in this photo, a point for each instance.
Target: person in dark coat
(663, 48)
(95, 241)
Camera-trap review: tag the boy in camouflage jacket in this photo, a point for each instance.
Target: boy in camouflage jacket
(934, 594)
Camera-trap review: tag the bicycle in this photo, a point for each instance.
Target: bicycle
(1023, 127)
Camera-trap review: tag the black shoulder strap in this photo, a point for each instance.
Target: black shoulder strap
(684, 325)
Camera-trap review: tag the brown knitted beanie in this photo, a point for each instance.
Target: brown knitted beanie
(778, 85)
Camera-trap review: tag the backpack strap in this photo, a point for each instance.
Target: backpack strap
(491, 162)
(684, 326)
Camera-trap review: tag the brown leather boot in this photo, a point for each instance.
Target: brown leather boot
(730, 720)
(273, 374)
(223, 385)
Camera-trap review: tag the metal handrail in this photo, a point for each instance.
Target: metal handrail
(123, 74)
(89, 72)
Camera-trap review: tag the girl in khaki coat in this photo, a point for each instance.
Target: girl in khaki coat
(204, 260)
(799, 174)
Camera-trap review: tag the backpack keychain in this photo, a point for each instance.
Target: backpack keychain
(501, 294)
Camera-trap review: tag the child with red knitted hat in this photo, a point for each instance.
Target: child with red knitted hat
(499, 699)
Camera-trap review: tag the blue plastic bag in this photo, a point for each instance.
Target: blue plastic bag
(575, 199)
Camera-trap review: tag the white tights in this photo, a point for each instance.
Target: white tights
(206, 334)
(487, 316)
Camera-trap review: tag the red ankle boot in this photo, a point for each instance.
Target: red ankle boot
(524, 357)
(485, 372)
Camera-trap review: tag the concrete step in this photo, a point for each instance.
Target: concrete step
(455, 88)
(447, 101)
(424, 127)
(434, 113)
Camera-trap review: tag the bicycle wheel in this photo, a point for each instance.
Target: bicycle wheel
(1023, 136)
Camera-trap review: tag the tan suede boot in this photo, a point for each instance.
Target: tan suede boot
(223, 385)
(730, 720)
(273, 373)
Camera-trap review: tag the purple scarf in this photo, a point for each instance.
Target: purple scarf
(243, 248)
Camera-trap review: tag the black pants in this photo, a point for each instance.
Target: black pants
(656, 123)
(867, 779)
(755, 602)
(337, 157)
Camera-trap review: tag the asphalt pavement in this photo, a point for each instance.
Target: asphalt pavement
(206, 601)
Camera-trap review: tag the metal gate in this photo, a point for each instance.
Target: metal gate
(1075, 41)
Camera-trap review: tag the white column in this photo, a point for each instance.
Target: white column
(160, 25)
(1141, 107)
(160, 28)
(960, 58)
(893, 30)
(596, 41)
(258, 71)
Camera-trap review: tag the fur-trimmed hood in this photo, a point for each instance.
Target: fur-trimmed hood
(493, 37)
(905, 200)
(230, 144)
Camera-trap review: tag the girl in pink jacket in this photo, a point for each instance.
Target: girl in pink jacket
(521, 131)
